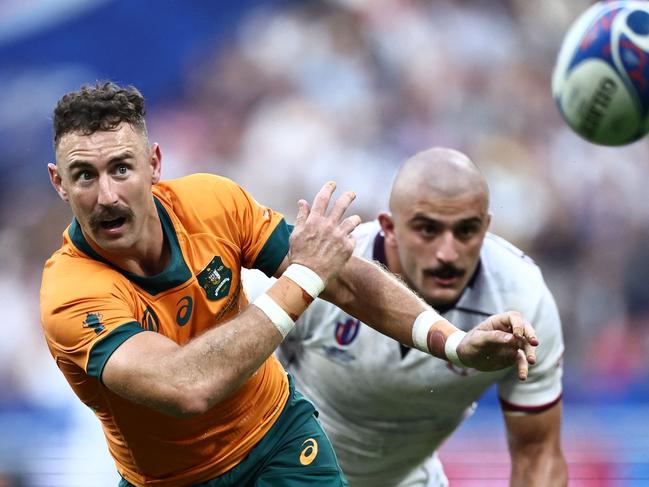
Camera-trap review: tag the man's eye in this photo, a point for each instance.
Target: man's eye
(84, 175)
(122, 170)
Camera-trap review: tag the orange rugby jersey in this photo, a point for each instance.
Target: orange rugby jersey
(89, 308)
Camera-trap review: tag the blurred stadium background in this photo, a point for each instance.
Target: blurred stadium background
(282, 95)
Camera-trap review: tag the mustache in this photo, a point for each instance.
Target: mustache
(444, 271)
(109, 213)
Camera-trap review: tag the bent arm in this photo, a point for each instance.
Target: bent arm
(535, 448)
(152, 370)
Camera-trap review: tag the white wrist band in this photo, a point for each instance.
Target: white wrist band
(450, 347)
(421, 327)
(275, 313)
(305, 278)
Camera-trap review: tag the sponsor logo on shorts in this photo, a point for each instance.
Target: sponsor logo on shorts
(93, 320)
(309, 452)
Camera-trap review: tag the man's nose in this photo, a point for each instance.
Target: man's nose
(447, 248)
(107, 195)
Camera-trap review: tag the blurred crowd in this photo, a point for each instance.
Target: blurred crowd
(346, 90)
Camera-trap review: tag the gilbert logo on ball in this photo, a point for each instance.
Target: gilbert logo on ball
(601, 77)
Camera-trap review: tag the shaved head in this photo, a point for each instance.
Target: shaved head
(439, 215)
(437, 172)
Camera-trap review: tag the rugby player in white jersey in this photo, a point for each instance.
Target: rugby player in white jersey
(388, 408)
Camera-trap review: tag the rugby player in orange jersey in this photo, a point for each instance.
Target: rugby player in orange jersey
(143, 311)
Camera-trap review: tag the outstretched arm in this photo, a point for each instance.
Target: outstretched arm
(376, 297)
(535, 448)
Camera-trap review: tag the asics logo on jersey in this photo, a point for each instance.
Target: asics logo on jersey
(185, 310)
(93, 320)
(215, 279)
(309, 452)
(150, 320)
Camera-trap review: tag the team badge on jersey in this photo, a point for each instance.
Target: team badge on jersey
(93, 320)
(215, 279)
(347, 330)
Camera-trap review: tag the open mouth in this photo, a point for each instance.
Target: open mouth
(112, 224)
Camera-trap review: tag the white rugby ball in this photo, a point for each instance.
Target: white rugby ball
(600, 81)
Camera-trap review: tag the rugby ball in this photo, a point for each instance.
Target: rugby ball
(600, 81)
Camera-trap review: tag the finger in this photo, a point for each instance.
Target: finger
(530, 335)
(302, 212)
(340, 206)
(521, 363)
(350, 223)
(517, 323)
(321, 200)
(530, 353)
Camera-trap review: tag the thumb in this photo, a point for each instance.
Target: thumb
(303, 211)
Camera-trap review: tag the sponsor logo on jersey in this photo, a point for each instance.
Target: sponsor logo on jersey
(93, 320)
(309, 452)
(184, 311)
(347, 330)
(215, 279)
(150, 320)
(338, 354)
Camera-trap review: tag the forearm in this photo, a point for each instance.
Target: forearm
(376, 297)
(535, 448)
(188, 380)
(539, 467)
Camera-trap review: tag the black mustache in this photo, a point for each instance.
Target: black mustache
(110, 213)
(446, 271)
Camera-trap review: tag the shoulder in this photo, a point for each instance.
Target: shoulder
(365, 234)
(197, 188)
(515, 275)
(69, 276)
(501, 255)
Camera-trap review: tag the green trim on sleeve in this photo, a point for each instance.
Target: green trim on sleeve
(104, 348)
(274, 250)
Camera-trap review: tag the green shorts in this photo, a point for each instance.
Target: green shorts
(295, 452)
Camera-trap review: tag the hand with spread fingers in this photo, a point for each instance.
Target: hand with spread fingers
(320, 241)
(501, 340)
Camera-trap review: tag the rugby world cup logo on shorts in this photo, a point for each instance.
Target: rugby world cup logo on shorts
(347, 330)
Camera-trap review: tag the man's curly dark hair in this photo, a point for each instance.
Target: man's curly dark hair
(98, 107)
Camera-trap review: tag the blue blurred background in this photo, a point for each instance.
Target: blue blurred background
(282, 95)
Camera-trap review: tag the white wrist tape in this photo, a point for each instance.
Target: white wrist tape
(450, 347)
(421, 327)
(275, 313)
(305, 278)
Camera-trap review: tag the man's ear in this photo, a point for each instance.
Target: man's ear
(156, 163)
(387, 225)
(55, 179)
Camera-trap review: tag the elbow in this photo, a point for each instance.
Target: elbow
(187, 401)
(192, 398)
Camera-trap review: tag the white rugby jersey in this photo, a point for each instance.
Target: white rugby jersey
(385, 412)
